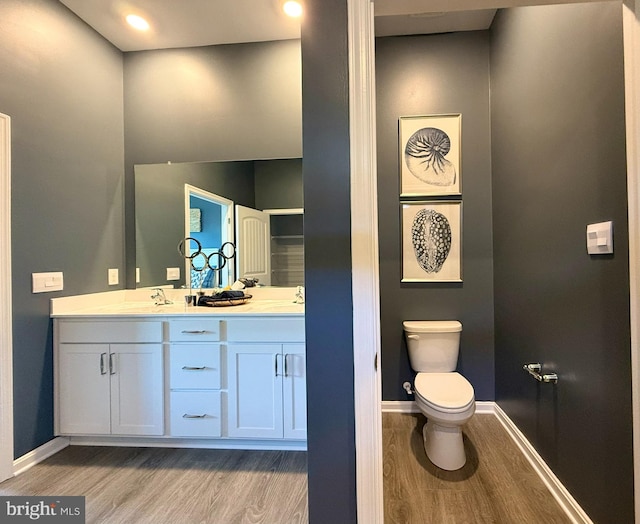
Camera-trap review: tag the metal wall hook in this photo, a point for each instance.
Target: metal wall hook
(534, 370)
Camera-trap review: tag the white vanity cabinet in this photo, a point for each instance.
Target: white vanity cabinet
(267, 382)
(206, 377)
(195, 378)
(109, 378)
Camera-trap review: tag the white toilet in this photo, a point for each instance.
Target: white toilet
(444, 396)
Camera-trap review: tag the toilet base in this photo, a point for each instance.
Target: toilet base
(444, 446)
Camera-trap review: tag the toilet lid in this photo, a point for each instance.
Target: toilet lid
(448, 391)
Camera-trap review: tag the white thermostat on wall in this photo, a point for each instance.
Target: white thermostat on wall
(600, 238)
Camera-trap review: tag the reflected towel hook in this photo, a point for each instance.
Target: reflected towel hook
(534, 370)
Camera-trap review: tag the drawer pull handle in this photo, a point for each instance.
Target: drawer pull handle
(187, 415)
(194, 368)
(112, 367)
(194, 331)
(103, 370)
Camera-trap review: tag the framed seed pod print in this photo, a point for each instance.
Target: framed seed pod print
(430, 155)
(431, 241)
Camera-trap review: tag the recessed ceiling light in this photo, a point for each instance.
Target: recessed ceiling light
(292, 8)
(137, 22)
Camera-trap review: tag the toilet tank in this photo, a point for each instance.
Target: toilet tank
(433, 345)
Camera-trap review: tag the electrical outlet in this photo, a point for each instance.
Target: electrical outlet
(173, 273)
(45, 282)
(113, 277)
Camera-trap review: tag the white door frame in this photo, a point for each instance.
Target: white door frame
(365, 270)
(226, 232)
(6, 344)
(631, 28)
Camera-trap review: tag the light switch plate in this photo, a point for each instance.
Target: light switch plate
(113, 277)
(46, 282)
(600, 238)
(173, 273)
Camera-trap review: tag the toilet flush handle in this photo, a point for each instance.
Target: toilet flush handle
(413, 337)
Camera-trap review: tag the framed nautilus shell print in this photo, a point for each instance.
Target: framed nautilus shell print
(432, 241)
(430, 155)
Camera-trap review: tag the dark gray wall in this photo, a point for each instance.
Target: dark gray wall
(227, 102)
(62, 86)
(559, 164)
(160, 209)
(279, 183)
(327, 261)
(423, 75)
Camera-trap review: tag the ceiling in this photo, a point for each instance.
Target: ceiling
(190, 23)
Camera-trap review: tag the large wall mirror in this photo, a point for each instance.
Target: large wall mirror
(215, 203)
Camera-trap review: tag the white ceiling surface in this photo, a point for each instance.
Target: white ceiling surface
(192, 23)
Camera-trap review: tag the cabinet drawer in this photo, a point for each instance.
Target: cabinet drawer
(110, 332)
(266, 330)
(194, 330)
(195, 414)
(194, 366)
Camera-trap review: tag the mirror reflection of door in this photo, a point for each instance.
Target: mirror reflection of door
(253, 237)
(209, 220)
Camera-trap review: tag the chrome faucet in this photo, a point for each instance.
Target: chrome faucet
(159, 297)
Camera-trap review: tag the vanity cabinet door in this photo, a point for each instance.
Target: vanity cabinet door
(83, 389)
(108, 389)
(136, 389)
(255, 390)
(295, 391)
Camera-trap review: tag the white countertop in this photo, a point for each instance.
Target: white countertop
(137, 303)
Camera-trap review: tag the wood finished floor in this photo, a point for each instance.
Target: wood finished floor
(174, 486)
(191, 486)
(496, 486)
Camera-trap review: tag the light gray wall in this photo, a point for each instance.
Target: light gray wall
(425, 75)
(227, 102)
(61, 84)
(558, 136)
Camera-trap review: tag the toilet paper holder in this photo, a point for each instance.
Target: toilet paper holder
(534, 369)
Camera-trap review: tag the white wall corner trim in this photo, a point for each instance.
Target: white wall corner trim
(27, 461)
(6, 341)
(559, 492)
(365, 271)
(631, 31)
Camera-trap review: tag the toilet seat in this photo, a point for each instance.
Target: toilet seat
(444, 392)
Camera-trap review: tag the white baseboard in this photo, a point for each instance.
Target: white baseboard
(558, 491)
(409, 406)
(27, 461)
